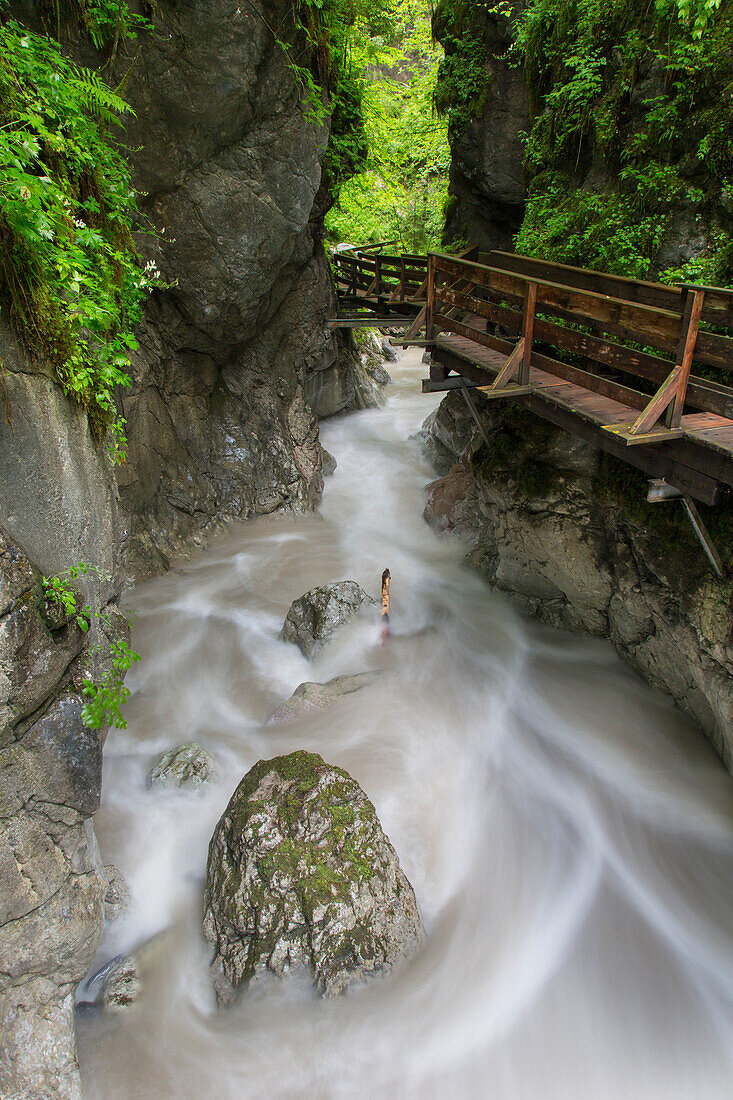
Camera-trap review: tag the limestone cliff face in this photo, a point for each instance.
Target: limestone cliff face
(220, 426)
(565, 532)
(487, 185)
(231, 162)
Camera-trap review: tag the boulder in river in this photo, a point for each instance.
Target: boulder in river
(328, 463)
(309, 698)
(117, 895)
(300, 874)
(121, 986)
(187, 765)
(318, 614)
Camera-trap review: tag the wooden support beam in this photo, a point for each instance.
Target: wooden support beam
(657, 434)
(662, 398)
(507, 372)
(430, 305)
(417, 324)
(688, 340)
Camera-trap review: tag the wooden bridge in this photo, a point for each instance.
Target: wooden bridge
(642, 370)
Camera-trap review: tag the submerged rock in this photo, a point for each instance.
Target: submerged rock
(318, 614)
(388, 351)
(310, 697)
(300, 874)
(328, 462)
(187, 765)
(121, 986)
(117, 896)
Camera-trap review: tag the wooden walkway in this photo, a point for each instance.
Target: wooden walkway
(609, 359)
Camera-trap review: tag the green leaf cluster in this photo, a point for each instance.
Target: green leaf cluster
(400, 193)
(632, 134)
(72, 282)
(105, 697)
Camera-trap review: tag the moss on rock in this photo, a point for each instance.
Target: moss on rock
(300, 874)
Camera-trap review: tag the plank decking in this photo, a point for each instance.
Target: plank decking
(609, 359)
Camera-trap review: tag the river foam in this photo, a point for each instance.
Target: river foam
(567, 833)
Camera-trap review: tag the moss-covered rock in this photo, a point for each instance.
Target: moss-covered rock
(300, 874)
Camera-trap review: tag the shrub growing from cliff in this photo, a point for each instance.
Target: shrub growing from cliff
(72, 282)
(631, 145)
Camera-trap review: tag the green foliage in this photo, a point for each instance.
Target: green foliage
(632, 130)
(58, 591)
(71, 279)
(464, 76)
(400, 193)
(110, 21)
(106, 696)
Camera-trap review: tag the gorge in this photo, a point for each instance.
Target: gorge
(565, 828)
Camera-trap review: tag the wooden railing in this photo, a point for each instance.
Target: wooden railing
(380, 279)
(589, 328)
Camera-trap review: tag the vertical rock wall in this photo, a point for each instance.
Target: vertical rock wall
(487, 191)
(566, 533)
(219, 427)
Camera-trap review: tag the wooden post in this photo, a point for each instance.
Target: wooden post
(379, 277)
(402, 278)
(688, 339)
(430, 307)
(530, 303)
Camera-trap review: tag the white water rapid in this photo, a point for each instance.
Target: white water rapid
(567, 833)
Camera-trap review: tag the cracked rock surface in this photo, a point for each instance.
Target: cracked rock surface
(301, 875)
(314, 617)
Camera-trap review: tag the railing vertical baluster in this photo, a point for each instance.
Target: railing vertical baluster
(686, 349)
(530, 303)
(430, 298)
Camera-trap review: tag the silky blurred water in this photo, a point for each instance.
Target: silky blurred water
(567, 833)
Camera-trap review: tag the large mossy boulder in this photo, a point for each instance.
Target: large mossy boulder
(318, 614)
(301, 875)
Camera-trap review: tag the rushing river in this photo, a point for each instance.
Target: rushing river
(567, 833)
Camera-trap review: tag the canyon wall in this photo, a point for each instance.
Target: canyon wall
(565, 532)
(234, 366)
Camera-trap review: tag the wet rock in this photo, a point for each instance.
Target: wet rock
(300, 874)
(187, 765)
(389, 353)
(117, 897)
(308, 698)
(553, 526)
(121, 986)
(317, 615)
(329, 463)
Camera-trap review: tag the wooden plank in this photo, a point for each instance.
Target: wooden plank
(513, 389)
(604, 386)
(615, 286)
(659, 434)
(643, 320)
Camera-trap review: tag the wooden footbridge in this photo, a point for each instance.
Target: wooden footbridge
(641, 370)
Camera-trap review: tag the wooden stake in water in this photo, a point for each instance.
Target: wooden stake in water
(385, 604)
